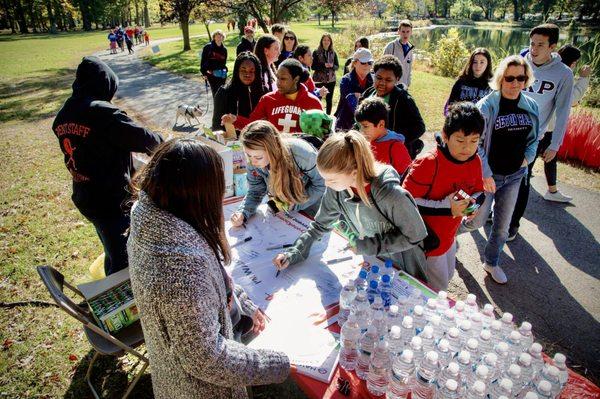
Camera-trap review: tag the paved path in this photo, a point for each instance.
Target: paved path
(553, 266)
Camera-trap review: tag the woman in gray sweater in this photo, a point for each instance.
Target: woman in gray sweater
(177, 250)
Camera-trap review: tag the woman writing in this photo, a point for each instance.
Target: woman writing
(282, 167)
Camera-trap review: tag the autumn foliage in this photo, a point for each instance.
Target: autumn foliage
(582, 140)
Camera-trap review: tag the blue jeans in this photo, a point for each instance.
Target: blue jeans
(504, 200)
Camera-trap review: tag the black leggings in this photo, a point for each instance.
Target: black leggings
(329, 97)
(113, 232)
(550, 172)
(215, 83)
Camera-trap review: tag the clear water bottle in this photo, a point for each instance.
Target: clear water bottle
(453, 337)
(347, 296)
(450, 390)
(490, 361)
(488, 315)
(503, 357)
(428, 339)
(531, 395)
(476, 320)
(481, 373)
(514, 345)
(388, 269)
(560, 362)
(460, 313)
(472, 346)
(442, 302)
(407, 329)
(448, 319)
(366, 346)
(496, 330)
(425, 376)
(507, 324)
(379, 369)
(524, 362)
(436, 323)
(419, 320)
(386, 290)
(377, 306)
(380, 324)
(362, 311)
(403, 376)
(465, 331)
(541, 391)
(403, 305)
(361, 282)
(500, 387)
(485, 342)
(373, 291)
(444, 353)
(416, 346)
(374, 274)
(537, 360)
(450, 372)
(471, 304)
(463, 359)
(551, 374)
(526, 336)
(349, 337)
(513, 373)
(393, 316)
(416, 297)
(395, 341)
(476, 391)
(430, 309)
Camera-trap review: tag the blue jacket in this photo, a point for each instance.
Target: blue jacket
(305, 157)
(348, 101)
(489, 107)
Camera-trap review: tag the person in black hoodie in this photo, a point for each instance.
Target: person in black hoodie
(213, 61)
(473, 83)
(242, 93)
(97, 140)
(404, 116)
(247, 43)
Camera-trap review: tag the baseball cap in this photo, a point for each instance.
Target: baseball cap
(363, 55)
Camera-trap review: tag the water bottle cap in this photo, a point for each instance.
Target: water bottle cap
(449, 314)
(482, 371)
(378, 315)
(496, 325)
(488, 309)
(375, 269)
(393, 309)
(472, 344)
(403, 300)
(465, 325)
(453, 332)
(531, 395)
(502, 347)
(526, 326)
(476, 317)
(407, 356)
(471, 299)
(416, 341)
(453, 368)
(464, 357)
(436, 319)
(545, 387)
(385, 278)
(442, 295)
(407, 322)
(428, 331)
(383, 344)
(514, 371)
(432, 356)
(395, 331)
(536, 348)
(431, 303)
(486, 335)
(491, 359)
(525, 359)
(377, 300)
(373, 284)
(451, 385)
(479, 387)
(443, 345)
(515, 336)
(507, 317)
(560, 359)
(362, 273)
(553, 371)
(459, 306)
(388, 263)
(418, 310)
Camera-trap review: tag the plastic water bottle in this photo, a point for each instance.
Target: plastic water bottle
(526, 336)
(393, 316)
(416, 346)
(427, 339)
(388, 269)
(395, 341)
(442, 302)
(503, 358)
(403, 305)
(436, 323)
(490, 361)
(524, 362)
(386, 290)
(444, 353)
(460, 313)
(366, 345)
(453, 337)
(350, 335)
(430, 309)
(448, 319)
(499, 388)
(488, 314)
(513, 373)
(551, 374)
(362, 311)
(403, 374)
(347, 296)
(476, 320)
(471, 304)
(481, 373)
(541, 391)
(379, 369)
(373, 291)
(425, 375)
(465, 331)
(416, 297)
(531, 395)
(374, 274)
(560, 362)
(514, 345)
(361, 282)
(477, 391)
(380, 324)
(472, 346)
(450, 390)
(485, 342)
(537, 361)
(463, 359)
(507, 324)
(377, 306)
(450, 372)
(407, 329)
(419, 320)
(496, 330)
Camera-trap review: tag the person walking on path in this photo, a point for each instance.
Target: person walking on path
(213, 61)
(325, 64)
(403, 49)
(247, 43)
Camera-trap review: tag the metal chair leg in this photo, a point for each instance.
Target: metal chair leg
(88, 375)
(137, 377)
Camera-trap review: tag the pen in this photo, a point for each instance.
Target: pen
(241, 242)
(244, 225)
(279, 247)
(277, 274)
(338, 260)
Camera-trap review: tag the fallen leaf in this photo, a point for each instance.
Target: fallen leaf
(25, 362)
(7, 343)
(73, 358)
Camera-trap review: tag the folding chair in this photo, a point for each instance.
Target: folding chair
(124, 341)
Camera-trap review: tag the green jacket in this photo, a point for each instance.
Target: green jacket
(390, 229)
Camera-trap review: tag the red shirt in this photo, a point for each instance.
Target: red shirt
(281, 111)
(390, 149)
(310, 85)
(434, 177)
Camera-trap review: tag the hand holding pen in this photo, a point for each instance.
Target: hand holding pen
(281, 262)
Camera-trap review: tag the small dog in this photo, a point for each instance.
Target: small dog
(189, 112)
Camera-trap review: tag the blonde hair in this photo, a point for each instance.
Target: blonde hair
(348, 152)
(285, 181)
(513, 60)
(218, 32)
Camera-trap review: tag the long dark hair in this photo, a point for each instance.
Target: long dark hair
(185, 178)
(289, 32)
(236, 84)
(467, 72)
(263, 42)
(330, 43)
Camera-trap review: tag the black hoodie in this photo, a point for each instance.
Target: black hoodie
(97, 140)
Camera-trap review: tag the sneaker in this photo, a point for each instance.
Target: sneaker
(557, 196)
(512, 234)
(496, 272)
(490, 218)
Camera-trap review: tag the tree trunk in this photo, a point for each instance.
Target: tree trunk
(332, 18)
(319, 18)
(146, 15)
(32, 19)
(84, 7)
(516, 15)
(21, 17)
(137, 12)
(185, 30)
(50, 17)
(9, 15)
(207, 29)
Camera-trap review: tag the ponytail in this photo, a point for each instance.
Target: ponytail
(348, 152)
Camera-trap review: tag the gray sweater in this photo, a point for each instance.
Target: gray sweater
(180, 292)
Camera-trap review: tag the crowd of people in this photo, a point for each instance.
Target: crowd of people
(365, 179)
(119, 37)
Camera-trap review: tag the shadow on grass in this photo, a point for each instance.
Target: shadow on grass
(35, 97)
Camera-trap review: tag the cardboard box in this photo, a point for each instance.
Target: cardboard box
(227, 156)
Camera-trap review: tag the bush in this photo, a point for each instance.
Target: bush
(450, 55)
(344, 41)
(592, 96)
(582, 140)
(477, 15)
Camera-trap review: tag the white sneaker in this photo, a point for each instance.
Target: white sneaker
(512, 235)
(557, 196)
(496, 272)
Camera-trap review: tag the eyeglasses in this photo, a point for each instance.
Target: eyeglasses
(366, 63)
(520, 78)
(289, 38)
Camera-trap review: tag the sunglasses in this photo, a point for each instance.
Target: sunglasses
(366, 63)
(520, 78)
(289, 38)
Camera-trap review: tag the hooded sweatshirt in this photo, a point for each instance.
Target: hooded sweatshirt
(281, 111)
(395, 48)
(97, 140)
(552, 91)
(245, 45)
(390, 150)
(390, 228)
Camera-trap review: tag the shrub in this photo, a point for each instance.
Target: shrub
(582, 140)
(477, 15)
(592, 96)
(344, 41)
(450, 55)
